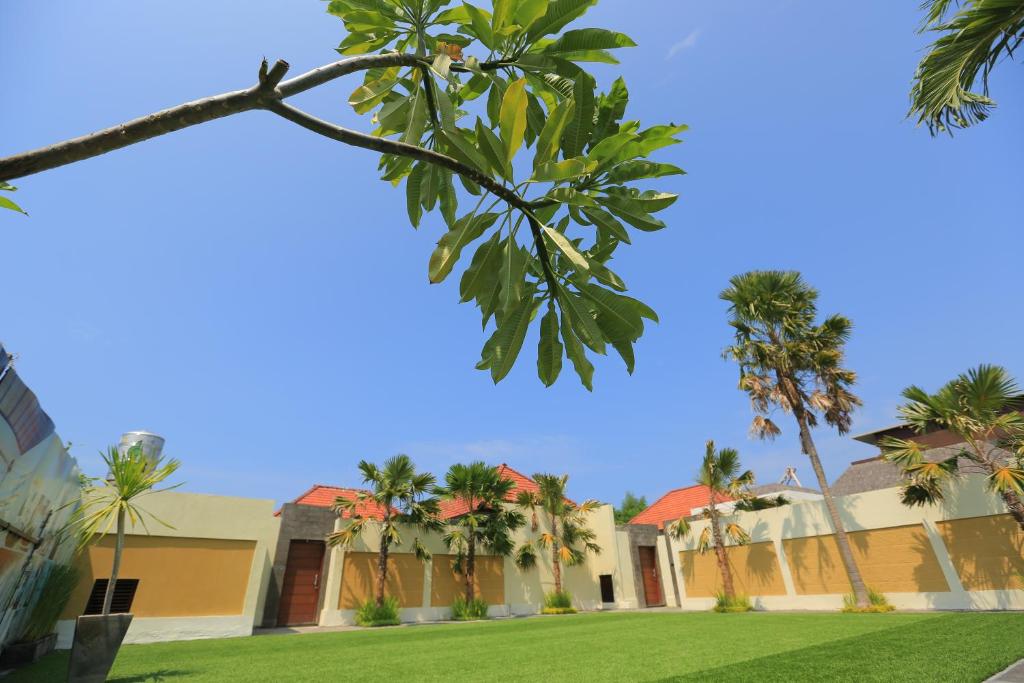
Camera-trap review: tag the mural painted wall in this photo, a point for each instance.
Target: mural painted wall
(39, 481)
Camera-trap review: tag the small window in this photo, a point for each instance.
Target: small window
(124, 594)
(607, 589)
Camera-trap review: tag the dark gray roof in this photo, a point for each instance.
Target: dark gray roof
(875, 473)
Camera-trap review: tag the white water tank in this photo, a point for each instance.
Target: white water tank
(152, 444)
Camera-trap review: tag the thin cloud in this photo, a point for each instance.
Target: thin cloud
(685, 44)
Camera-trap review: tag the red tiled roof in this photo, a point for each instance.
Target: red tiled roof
(675, 504)
(322, 495)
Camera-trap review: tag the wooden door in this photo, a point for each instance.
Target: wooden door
(300, 592)
(649, 571)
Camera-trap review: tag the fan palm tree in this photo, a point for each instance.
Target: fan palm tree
(720, 473)
(398, 496)
(790, 362)
(115, 500)
(973, 40)
(982, 407)
(487, 521)
(568, 535)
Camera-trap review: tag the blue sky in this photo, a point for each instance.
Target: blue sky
(254, 293)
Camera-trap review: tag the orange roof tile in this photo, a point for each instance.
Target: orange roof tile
(675, 504)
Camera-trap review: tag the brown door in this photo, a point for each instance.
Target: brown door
(649, 570)
(300, 592)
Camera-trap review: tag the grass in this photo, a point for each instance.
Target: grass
(635, 646)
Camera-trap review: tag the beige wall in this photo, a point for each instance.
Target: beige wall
(446, 584)
(205, 575)
(962, 554)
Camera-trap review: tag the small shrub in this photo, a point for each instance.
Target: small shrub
(55, 594)
(878, 603)
(385, 615)
(558, 603)
(739, 603)
(474, 609)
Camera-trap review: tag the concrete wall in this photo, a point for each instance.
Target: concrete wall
(297, 522)
(206, 577)
(963, 554)
(522, 591)
(634, 536)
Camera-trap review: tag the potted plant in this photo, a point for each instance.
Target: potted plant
(132, 474)
(38, 637)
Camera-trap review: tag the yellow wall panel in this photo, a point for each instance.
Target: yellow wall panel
(893, 560)
(359, 579)
(755, 571)
(987, 552)
(489, 584)
(178, 577)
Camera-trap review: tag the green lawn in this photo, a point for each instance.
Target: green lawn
(637, 646)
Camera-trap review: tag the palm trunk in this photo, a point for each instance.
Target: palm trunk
(860, 590)
(470, 566)
(108, 597)
(556, 566)
(723, 559)
(382, 561)
(1015, 506)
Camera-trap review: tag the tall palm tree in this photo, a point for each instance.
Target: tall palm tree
(568, 535)
(720, 473)
(398, 496)
(486, 522)
(982, 407)
(789, 361)
(973, 39)
(104, 505)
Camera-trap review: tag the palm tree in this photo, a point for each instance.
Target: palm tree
(487, 522)
(568, 535)
(398, 495)
(982, 407)
(789, 361)
(973, 39)
(131, 476)
(720, 473)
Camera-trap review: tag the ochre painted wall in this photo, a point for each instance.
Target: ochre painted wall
(359, 576)
(178, 577)
(893, 560)
(489, 582)
(755, 571)
(987, 552)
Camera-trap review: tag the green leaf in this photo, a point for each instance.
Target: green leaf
(617, 318)
(503, 13)
(513, 271)
(450, 246)
(625, 350)
(512, 119)
(589, 39)
(491, 147)
(562, 243)
(640, 169)
(413, 184)
(549, 349)
(463, 150)
(455, 15)
(603, 219)
(650, 201)
(481, 278)
(530, 11)
(629, 211)
(559, 13)
(508, 338)
(581, 123)
(417, 120)
(446, 194)
(366, 97)
(576, 353)
(611, 107)
(6, 203)
(604, 274)
(607, 151)
(556, 171)
(567, 195)
(582, 322)
(480, 22)
(551, 134)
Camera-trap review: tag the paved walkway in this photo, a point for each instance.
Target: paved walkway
(1014, 674)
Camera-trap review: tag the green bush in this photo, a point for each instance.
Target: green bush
(878, 603)
(385, 615)
(558, 603)
(739, 603)
(474, 609)
(54, 596)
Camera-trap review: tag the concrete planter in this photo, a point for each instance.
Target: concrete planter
(97, 640)
(27, 652)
